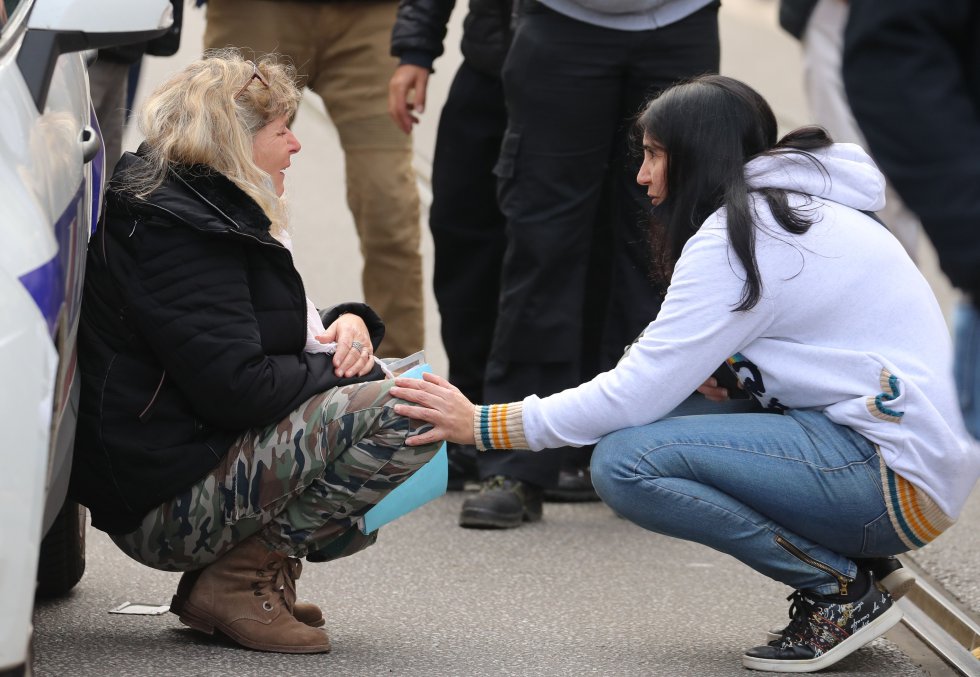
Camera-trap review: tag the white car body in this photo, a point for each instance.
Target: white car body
(50, 189)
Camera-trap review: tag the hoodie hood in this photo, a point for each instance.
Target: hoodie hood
(845, 174)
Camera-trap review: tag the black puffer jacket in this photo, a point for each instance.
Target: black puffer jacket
(192, 331)
(421, 28)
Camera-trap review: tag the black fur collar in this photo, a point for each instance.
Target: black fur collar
(223, 195)
(200, 196)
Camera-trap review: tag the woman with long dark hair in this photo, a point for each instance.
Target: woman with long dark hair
(776, 267)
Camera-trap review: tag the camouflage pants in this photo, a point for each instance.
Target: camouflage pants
(300, 484)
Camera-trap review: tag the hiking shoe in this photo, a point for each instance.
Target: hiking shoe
(824, 630)
(502, 503)
(895, 578)
(574, 486)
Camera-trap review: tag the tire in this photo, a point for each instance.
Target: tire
(62, 560)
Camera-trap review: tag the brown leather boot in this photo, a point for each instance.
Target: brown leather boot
(242, 596)
(305, 612)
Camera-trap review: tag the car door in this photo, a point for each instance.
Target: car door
(47, 203)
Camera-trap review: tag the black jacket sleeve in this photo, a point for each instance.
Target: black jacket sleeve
(190, 301)
(794, 15)
(375, 325)
(912, 75)
(419, 31)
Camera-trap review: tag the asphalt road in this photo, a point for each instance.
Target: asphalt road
(581, 593)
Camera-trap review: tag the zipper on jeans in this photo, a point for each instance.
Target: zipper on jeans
(842, 580)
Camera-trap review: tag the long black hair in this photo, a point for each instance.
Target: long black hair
(709, 128)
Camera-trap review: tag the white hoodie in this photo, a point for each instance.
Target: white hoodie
(845, 324)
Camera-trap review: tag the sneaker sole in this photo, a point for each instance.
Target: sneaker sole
(898, 584)
(865, 635)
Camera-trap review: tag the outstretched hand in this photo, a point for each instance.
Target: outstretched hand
(436, 401)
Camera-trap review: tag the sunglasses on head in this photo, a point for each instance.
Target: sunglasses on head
(256, 75)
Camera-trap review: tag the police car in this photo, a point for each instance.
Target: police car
(50, 189)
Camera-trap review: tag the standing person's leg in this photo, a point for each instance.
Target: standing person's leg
(656, 60)
(259, 27)
(561, 94)
(353, 69)
(466, 223)
(795, 497)
(292, 489)
(823, 48)
(107, 81)
(468, 235)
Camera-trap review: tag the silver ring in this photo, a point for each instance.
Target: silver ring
(356, 345)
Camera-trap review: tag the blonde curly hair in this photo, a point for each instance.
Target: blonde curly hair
(208, 114)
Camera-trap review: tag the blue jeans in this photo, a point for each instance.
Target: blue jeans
(967, 365)
(792, 496)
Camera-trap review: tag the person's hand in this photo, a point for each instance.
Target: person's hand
(439, 402)
(408, 79)
(354, 350)
(713, 391)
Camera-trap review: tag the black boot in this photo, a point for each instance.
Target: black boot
(502, 503)
(574, 485)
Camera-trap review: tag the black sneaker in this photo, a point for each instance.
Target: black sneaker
(825, 630)
(574, 486)
(895, 578)
(898, 580)
(502, 503)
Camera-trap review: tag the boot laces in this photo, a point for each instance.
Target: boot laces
(800, 610)
(289, 573)
(276, 578)
(497, 482)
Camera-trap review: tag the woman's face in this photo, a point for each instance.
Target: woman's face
(272, 148)
(653, 171)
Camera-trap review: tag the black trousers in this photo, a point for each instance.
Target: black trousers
(467, 226)
(566, 182)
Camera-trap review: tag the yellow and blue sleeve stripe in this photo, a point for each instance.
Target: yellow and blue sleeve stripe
(916, 517)
(499, 426)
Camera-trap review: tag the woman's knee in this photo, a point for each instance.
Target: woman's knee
(610, 466)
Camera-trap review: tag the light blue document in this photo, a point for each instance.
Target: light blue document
(427, 483)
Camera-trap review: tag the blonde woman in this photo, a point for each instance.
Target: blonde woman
(211, 440)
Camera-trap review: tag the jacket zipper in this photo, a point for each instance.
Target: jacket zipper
(842, 580)
(143, 417)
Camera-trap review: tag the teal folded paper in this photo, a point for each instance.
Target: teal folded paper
(425, 484)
